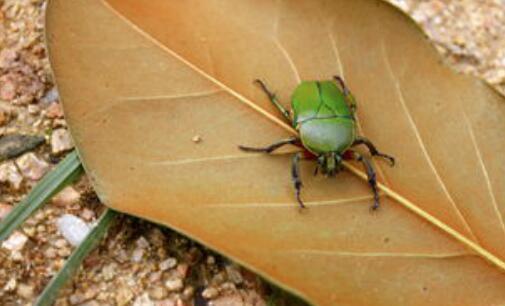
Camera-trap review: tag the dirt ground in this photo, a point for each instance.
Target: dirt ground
(141, 263)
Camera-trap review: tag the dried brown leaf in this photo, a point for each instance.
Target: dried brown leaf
(140, 79)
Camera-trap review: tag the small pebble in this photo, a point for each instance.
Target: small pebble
(8, 90)
(61, 141)
(60, 243)
(16, 256)
(66, 197)
(218, 278)
(234, 274)
(9, 174)
(4, 117)
(50, 97)
(174, 284)
(167, 302)
(15, 242)
(74, 229)
(155, 276)
(32, 167)
(41, 228)
(156, 237)
(29, 230)
(64, 252)
(188, 292)
(33, 109)
(50, 253)
(196, 139)
(138, 255)
(11, 285)
(211, 260)
(158, 293)
(13, 145)
(54, 111)
(124, 296)
(25, 291)
(228, 300)
(143, 300)
(228, 286)
(168, 263)
(90, 303)
(109, 271)
(142, 243)
(5, 209)
(87, 214)
(210, 293)
(182, 270)
(76, 298)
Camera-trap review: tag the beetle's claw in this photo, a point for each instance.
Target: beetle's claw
(300, 202)
(244, 148)
(298, 198)
(389, 158)
(374, 207)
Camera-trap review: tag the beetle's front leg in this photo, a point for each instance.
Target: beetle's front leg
(274, 100)
(347, 93)
(372, 178)
(373, 150)
(295, 175)
(272, 147)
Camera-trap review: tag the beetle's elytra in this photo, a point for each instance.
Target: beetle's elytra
(323, 115)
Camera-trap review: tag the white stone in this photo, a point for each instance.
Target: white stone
(74, 229)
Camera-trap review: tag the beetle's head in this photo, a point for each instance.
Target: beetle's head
(330, 163)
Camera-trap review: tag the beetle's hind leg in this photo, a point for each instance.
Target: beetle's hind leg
(373, 150)
(274, 100)
(372, 177)
(272, 147)
(295, 175)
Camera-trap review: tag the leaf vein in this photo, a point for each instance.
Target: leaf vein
(422, 146)
(381, 254)
(484, 172)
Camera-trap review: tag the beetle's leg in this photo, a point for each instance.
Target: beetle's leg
(372, 179)
(347, 93)
(272, 147)
(373, 150)
(295, 175)
(274, 100)
(320, 164)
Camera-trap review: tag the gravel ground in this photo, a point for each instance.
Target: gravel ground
(140, 263)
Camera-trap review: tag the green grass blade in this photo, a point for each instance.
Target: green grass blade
(95, 236)
(63, 174)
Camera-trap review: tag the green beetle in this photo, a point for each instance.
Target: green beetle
(323, 115)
